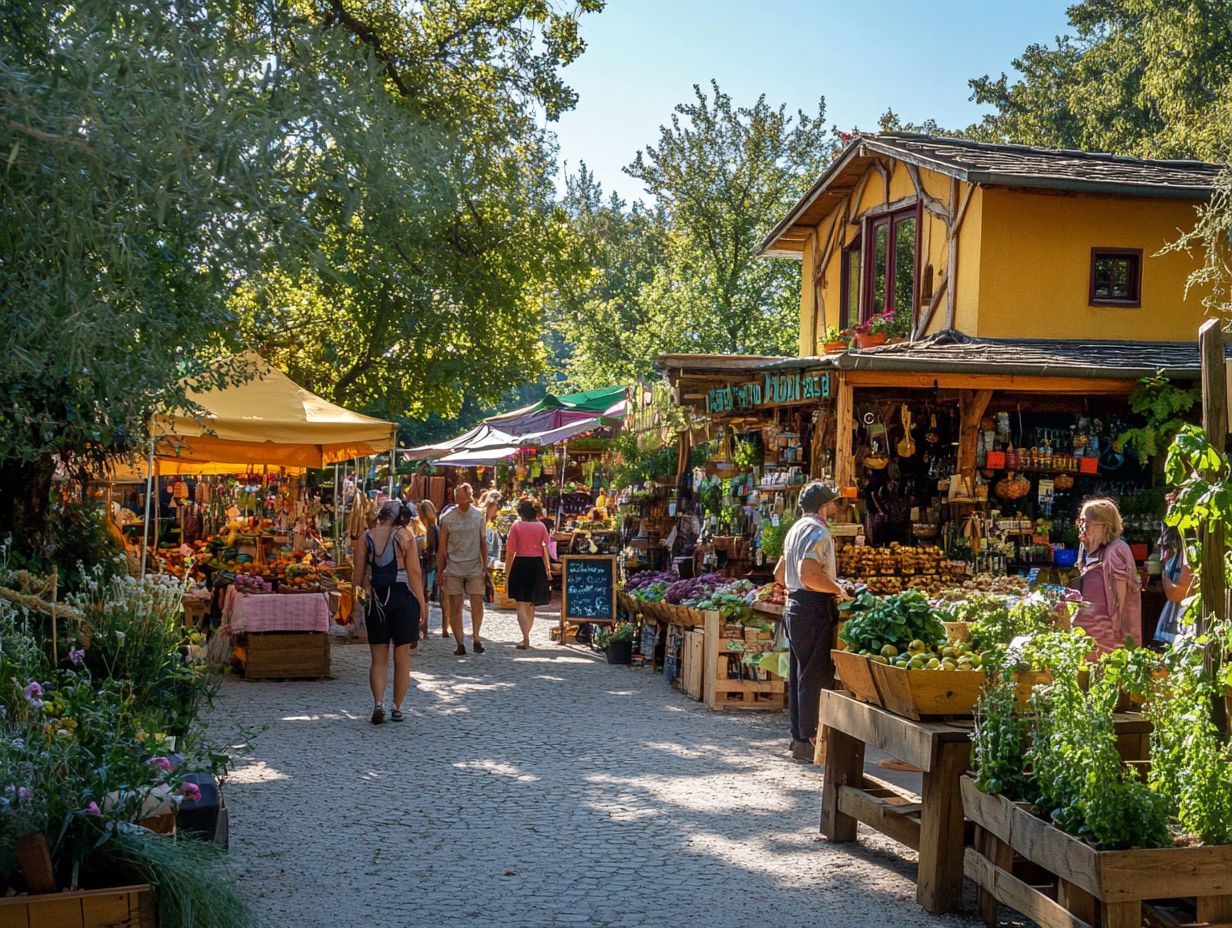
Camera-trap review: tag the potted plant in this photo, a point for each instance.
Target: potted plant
(617, 642)
(836, 340)
(874, 330)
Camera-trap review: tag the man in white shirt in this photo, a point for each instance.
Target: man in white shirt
(807, 570)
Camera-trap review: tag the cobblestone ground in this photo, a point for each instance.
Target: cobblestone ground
(540, 788)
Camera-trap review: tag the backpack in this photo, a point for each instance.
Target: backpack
(382, 574)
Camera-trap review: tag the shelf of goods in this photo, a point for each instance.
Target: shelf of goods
(709, 648)
(899, 567)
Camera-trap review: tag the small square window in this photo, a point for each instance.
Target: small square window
(1116, 277)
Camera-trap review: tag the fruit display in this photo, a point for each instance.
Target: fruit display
(919, 655)
(771, 594)
(886, 571)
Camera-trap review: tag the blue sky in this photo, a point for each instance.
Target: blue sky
(643, 57)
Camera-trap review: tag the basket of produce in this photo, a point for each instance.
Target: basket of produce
(1013, 486)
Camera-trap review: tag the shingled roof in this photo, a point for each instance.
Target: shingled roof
(953, 352)
(989, 164)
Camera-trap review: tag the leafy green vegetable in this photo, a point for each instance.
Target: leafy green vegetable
(873, 622)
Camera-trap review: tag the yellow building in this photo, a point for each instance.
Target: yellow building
(996, 242)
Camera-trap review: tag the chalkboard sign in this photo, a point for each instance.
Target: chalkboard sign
(589, 584)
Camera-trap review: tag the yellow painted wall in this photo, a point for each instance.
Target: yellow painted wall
(1035, 263)
(1024, 263)
(932, 243)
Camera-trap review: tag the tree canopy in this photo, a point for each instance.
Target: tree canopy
(1148, 78)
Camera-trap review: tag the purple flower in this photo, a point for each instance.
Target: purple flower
(190, 791)
(77, 655)
(33, 690)
(162, 763)
(23, 792)
(93, 809)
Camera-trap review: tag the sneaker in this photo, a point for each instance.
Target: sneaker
(395, 715)
(378, 714)
(477, 646)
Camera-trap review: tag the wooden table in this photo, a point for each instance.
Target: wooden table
(931, 824)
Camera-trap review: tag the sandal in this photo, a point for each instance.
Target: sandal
(378, 714)
(459, 651)
(395, 715)
(522, 647)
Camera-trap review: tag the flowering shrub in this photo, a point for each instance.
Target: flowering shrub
(102, 741)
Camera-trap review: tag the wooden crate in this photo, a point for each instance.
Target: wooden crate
(918, 694)
(855, 673)
(284, 655)
(692, 663)
(121, 907)
(1088, 887)
(719, 692)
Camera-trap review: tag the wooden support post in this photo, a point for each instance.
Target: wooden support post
(972, 406)
(1213, 540)
(844, 415)
(844, 767)
(1122, 915)
(939, 883)
(1077, 901)
(1215, 910)
(34, 861)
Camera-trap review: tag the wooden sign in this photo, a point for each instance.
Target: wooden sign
(769, 390)
(588, 583)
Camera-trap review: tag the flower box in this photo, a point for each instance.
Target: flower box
(1088, 886)
(870, 339)
(837, 347)
(130, 906)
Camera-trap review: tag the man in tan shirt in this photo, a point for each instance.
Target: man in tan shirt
(462, 564)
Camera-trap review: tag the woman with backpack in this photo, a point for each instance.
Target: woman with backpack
(389, 576)
(1108, 579)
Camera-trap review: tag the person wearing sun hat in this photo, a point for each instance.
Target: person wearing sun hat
(807, 569)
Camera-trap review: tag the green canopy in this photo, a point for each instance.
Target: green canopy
(595, 401)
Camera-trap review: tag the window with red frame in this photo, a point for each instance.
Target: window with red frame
(890, 264)
(849, 306)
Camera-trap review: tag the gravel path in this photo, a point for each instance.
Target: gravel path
(531, 789)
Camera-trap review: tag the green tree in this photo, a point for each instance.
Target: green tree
(434, 197)
(724, 174)
(599, 317)
(363, 189)
(128, 199)
(1148, 78)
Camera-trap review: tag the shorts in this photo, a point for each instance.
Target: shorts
(392, 615)
(454, 585)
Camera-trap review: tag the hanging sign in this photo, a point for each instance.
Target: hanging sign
(771, 389)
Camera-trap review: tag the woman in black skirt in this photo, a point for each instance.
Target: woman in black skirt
(388, 576)
(527, 567)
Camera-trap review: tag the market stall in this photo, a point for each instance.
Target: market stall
(257, 543)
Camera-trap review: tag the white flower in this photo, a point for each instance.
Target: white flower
(119, 635)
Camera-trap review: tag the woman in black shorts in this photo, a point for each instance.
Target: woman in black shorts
(389, 576)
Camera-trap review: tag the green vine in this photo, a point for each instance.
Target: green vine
(1163, 406)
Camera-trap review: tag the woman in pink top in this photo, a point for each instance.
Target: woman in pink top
(1111, 590)
(527, 567)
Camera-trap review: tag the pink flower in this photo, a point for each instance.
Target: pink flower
(162, 763)
(93, 809)
(190, 791)
(77, 655)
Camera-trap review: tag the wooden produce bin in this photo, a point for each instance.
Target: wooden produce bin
(721, 692)
(1089, 888)
(121, 907)
(914, 694)
(283, 655)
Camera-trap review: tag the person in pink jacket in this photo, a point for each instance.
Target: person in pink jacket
(1108, 579)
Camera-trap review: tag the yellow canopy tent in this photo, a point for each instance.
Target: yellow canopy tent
(267, 420)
